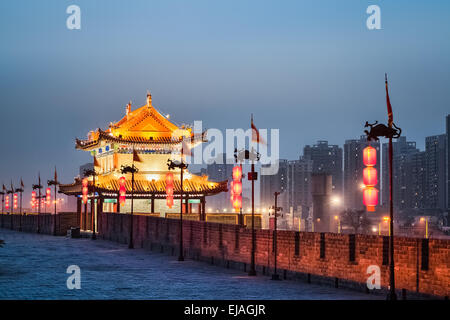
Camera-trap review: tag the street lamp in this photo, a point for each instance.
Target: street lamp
(338, 223)
(54, 183)
(275, 276)
(87, 173)
(20, 191)
(182, 166)
(2, 193)
(387, 219)
(390, 131)
(426, 226)
(253, 176)
(38, 187)
(124, 170)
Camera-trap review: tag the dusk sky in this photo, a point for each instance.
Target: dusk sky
(309, 68)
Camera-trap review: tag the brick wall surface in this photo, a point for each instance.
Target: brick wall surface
(29, 222)
(299, 253)
(232, 243)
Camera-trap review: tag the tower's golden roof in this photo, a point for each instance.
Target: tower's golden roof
(145, 125)
(142, 185)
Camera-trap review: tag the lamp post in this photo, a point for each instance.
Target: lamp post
(390, 131)
(20, 191)
(252, 176)
(338, 223)
(87, 173)
(130, 169)
(171, 166)
(3, 200)
(38, 187)
(11, 191)
(426, 226)
(54, 183)
(275, 276)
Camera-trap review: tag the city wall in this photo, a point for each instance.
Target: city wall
(43, 224)
(421, 265)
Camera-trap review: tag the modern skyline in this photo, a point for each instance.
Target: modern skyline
(322, 60)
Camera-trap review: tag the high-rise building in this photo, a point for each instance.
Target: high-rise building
(327, 159)
(402, 152)
(416, 180)
(298, 189)
(293, 181)
(435, 153)
(353, 170)
(273, 183)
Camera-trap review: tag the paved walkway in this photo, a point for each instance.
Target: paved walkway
(33, 266)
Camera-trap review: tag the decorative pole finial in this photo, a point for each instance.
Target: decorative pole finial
(149, 99)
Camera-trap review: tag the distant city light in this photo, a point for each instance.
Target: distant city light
(336, 200)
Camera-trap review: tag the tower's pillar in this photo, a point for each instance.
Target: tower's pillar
(79, 211)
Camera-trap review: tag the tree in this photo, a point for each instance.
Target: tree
(356, 219)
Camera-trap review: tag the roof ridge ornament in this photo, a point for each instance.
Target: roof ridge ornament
(128, 108)
(149, 99)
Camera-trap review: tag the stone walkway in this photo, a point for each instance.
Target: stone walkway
(34, 266)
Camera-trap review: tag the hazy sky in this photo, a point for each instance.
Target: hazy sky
(310, 68)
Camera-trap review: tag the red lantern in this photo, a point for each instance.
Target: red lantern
(370, 177)
(33, 199)
(237, 202)
(236, 188)
(15, 201)
(169, 189)
(169, 178)
(370, 156)
(7, 202)
(48, 195)
(237, 173)
(122, 191)
(169, 202)
(370, 198)
(84, 190)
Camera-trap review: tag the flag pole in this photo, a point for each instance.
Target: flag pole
(392, 294)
